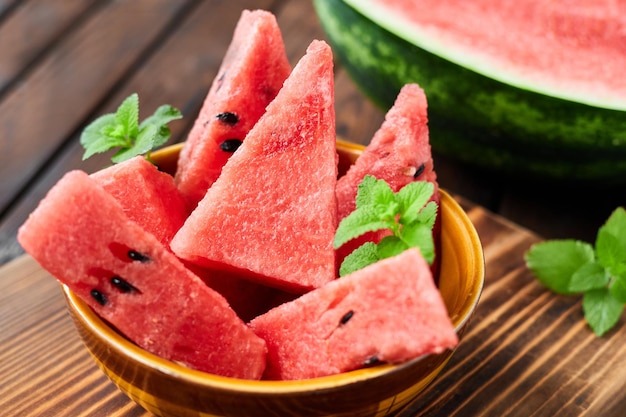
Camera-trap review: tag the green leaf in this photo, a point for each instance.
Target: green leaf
(602, 311)
(94, 137)
(618, 288)
(412, 198)
(616, 225)
(143, 144)
(391, 246)
(122, 130)
(361, 257)
(127, 117)
(609, 250)
(161, 117)
(428, 215)
(420, 235)
(590, 276)
(554, 262)
(357, 223)
(373, 192)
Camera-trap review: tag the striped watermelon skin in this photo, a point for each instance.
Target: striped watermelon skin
(477, 119)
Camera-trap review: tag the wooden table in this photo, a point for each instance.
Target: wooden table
(64, 62)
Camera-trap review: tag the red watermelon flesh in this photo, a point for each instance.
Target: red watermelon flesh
(399, 153)
(390, 311)
(128, 278)
(252, 72)
(271, 215)
(148, 196)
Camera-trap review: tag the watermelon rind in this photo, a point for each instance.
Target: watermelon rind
(493, 123)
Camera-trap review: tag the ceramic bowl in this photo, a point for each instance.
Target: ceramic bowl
(168, 389)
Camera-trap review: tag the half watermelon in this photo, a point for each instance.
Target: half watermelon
(528, 87)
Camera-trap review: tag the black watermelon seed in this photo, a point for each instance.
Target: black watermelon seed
(346, 317)
(136, 256)
(230, 145)
(228, 118)
(123, 285)
(372, 360)
(99, 297)
(419, 171)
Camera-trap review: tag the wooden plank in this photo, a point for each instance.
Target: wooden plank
(31, 30)
(64, 89)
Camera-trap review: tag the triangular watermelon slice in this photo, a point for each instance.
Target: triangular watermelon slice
(148, 196)
(390, 311)
(272, 213)
(399, 153)
(80, 234)
(251, 74)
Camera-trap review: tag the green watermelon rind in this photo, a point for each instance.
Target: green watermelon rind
(481, 63)
(480, 120)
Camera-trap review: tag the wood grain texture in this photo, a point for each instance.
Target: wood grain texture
(65, 86)
(30, 32)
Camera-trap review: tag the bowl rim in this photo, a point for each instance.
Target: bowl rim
(125, 347)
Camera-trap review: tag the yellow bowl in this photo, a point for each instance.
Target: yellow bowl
(168, 389)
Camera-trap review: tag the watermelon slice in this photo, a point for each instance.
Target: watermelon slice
(148, 196)
(399, 153)
(389, 311)
(252, 72)
(272, 213)
(80, 234)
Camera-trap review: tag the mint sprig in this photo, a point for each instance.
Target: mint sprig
(122, 130)
(407, 214)
(572, 267)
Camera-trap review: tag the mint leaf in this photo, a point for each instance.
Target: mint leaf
(412, 197)
(390, 246)
(357, 223)
(420, 235)
(407, 215)
(144, 143)
(602, 310)
(609, 250)
(616, 225)
(127, 118)
(590, 276)
(161, 117)
(361, 257)
(374, 193)
(571, 266)
(554, 262)
(618, 288)
(95, 138)
(428, 215)
(122, 130)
